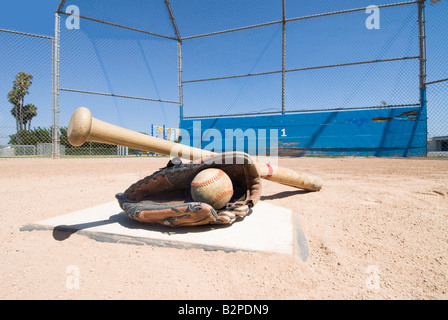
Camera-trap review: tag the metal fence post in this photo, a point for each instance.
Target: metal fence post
(181, 94)
(56, 149)
(422, 47)
(284, 59)
(179, 57)
(422, 56)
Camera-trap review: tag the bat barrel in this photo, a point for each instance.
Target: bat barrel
(79, 127)
(84, 128)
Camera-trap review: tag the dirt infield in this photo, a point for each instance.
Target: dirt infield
(377, 230)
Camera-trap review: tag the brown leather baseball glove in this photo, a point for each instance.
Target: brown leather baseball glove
(164, 196)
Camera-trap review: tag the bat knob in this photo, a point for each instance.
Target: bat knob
(79, 127)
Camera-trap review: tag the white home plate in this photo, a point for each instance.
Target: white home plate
(267, 228)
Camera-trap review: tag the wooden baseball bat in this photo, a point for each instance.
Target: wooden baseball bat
(83, 128)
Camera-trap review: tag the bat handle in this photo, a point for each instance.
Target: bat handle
(289, 177)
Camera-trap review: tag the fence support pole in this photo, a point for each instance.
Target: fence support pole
(181, 93)
(422, 44)
(284, 59)
(422, 56)
(56, 149)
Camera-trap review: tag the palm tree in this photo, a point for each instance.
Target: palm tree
(16, 96)
(29, 112)
(15, 100)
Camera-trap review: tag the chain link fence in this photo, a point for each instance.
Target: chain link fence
(146, 64)
(25, 93)
(305, 58)
(124, 77)
(437, 78)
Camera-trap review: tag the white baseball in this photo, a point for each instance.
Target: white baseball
(212, 186)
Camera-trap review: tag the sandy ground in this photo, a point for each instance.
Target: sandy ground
(377, 230)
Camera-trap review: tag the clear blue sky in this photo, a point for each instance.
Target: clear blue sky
(33, 16)
(107, 59)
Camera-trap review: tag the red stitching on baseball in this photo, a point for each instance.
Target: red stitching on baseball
(220, 196)
(209, 180)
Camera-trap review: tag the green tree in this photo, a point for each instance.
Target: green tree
(17, 95)
(37, 135)
(29, 112)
